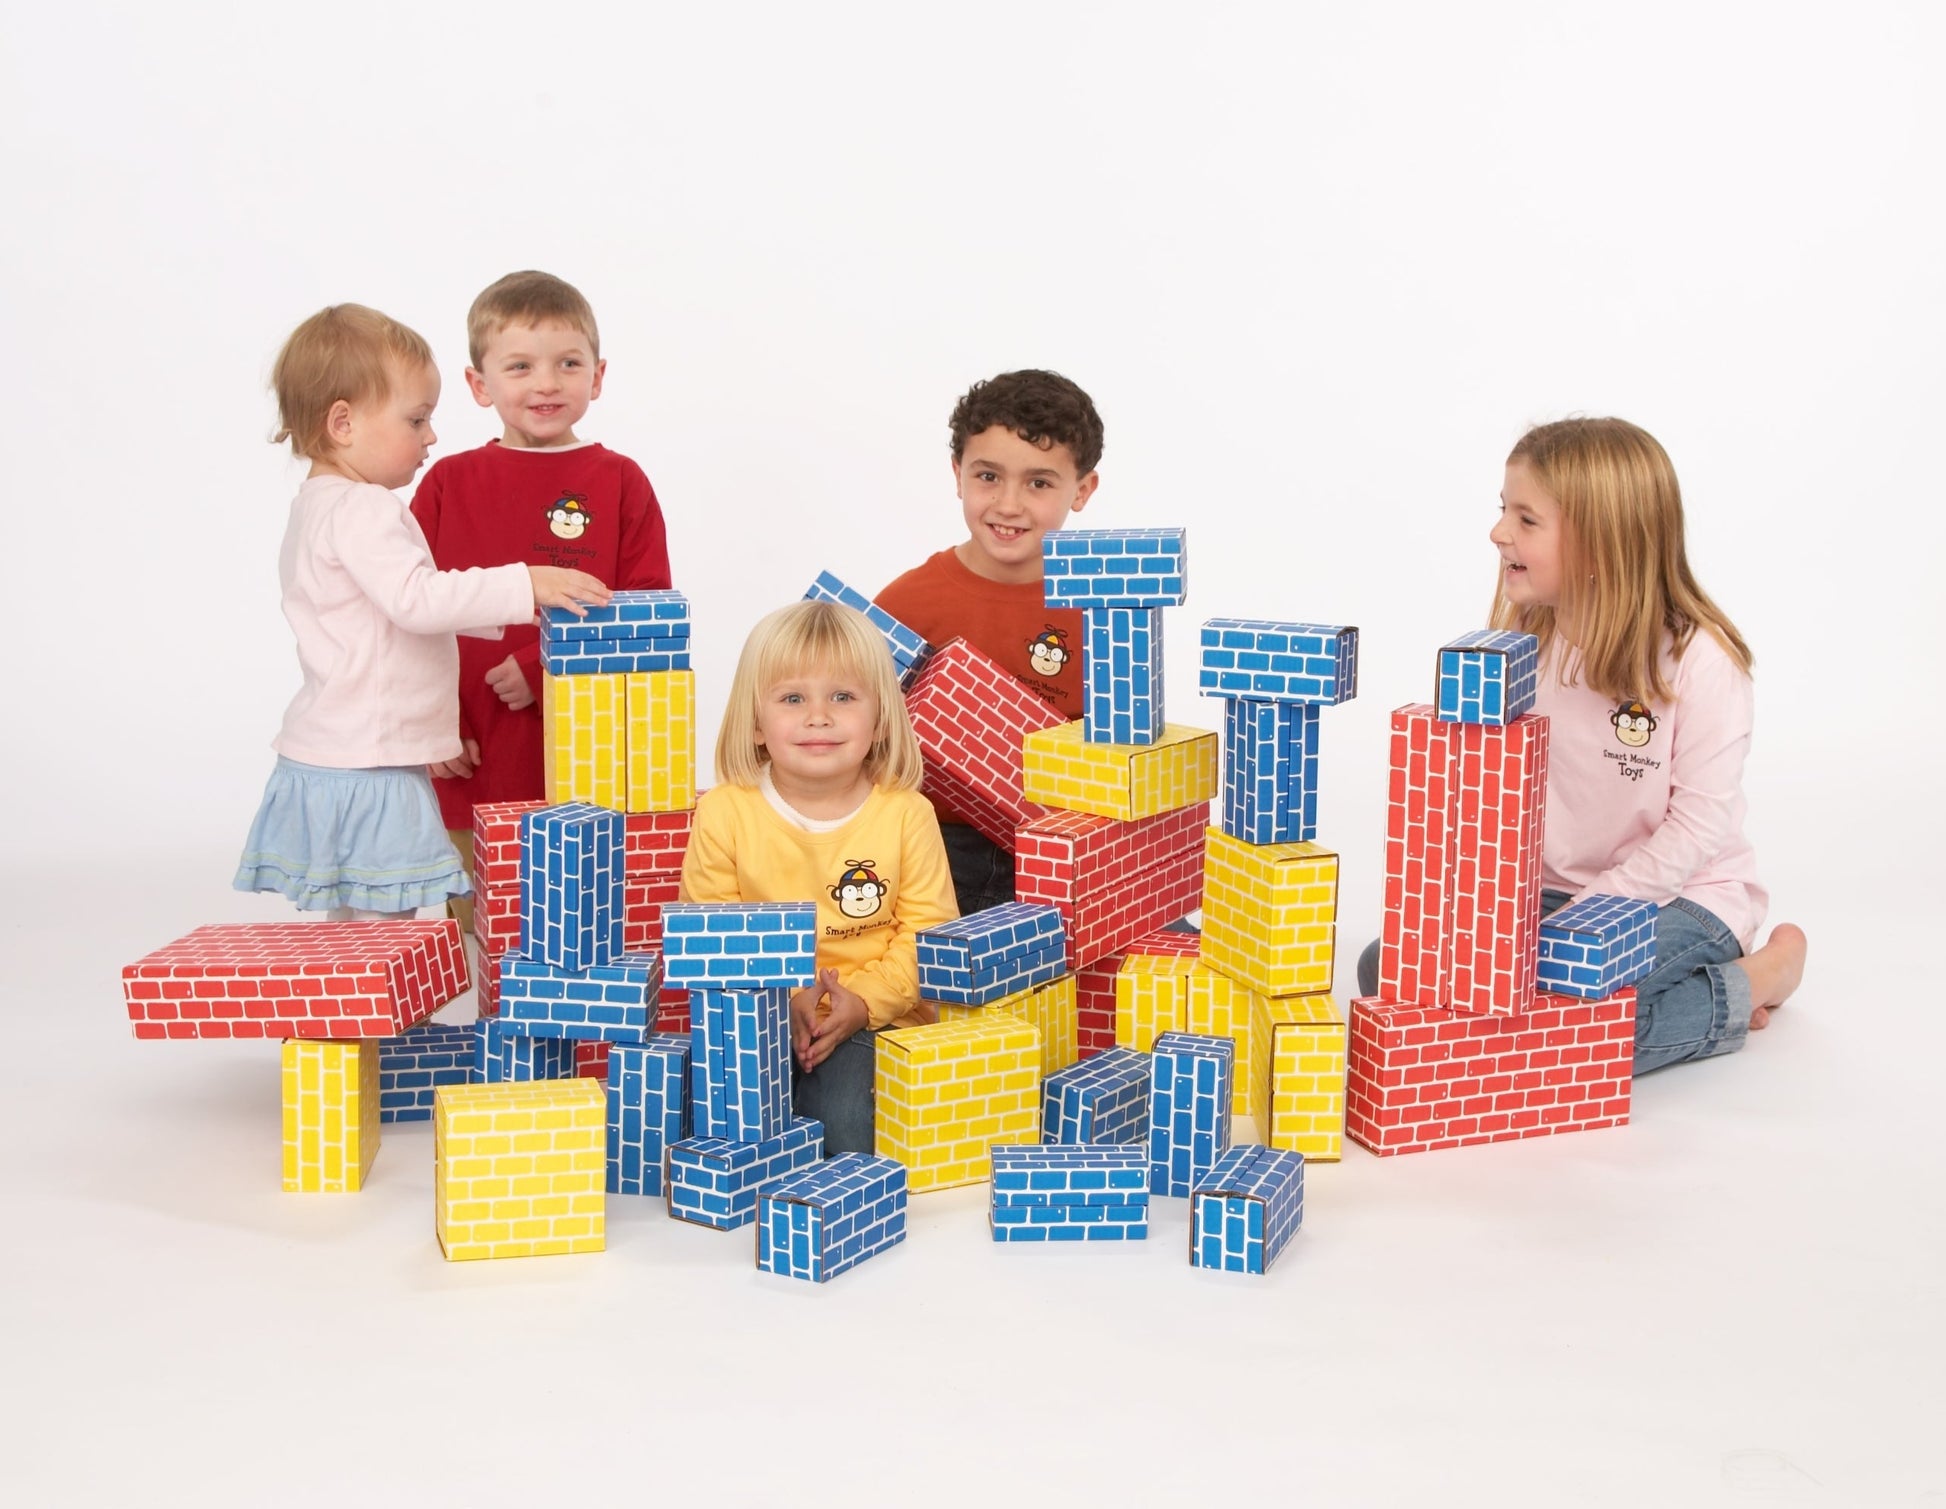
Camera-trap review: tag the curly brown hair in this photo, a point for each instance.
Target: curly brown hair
(1042, 408)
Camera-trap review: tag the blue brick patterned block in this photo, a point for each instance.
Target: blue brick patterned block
(1245, 1211)
(1114, 568)
(986, 955)
(1487, 676)
(571, 885)
(1069, 1192)
(739, 945)
(1122, 674)
(740, 1063)
(648, 1110)
(908, 649)
(714, 1182)
(662, 615)
(611, 1003)
(413, 1065)
(1595, 947)
(1279, 662)
(1189, 1108)
(614, 657)
(503, 1053)
(816, 1224)
(1270, 771)
(1104, 1099)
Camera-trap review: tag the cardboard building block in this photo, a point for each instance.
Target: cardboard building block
(909, 649)
(1127, 781)
(1069, 1192)
(1270, 913)
(949, 1091)
(335, 980)
(1190, 1082)
(518, 1169)
(1299, 1046)
(614, 656)
(970, 717)
(1151, 998)
(496, 876)
(609, 1002)
(1122, 675)
(1101, 1099)
(740, 1063)
(417, 1062)
(505, 1054)
(584, 723)
(591, 1058)
(647, 1088)
(1095, 984)
(830, 1217)
(571, 885)
(739, 945)
(1246, 1209)
(1421, 1078)
(675, 1011)
(660, 758)
(1268, 661)
(986, 955)
(713, 1181)
(1488, 676)
(647, 614)
(653, 846)
(1111, 881)
(1051, 1009)
(1179, 993)
(1596, 946)
(1114, 568)
(1270, 771)
(331, 1115)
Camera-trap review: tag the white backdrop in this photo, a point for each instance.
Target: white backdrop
(1317, 264)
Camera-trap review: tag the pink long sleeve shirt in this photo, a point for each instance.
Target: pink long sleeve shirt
(375, 620)
(1655, 812)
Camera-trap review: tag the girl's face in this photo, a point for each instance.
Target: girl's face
(1529, 537)
(817, 729)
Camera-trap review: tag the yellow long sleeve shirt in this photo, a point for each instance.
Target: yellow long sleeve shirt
(877, 881)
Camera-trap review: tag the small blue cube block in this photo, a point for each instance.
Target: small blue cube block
(1487, 676)
(1246, 1209)
(1596, 946)
(830, 1217)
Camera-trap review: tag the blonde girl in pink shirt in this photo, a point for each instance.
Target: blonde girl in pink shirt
(348, 823)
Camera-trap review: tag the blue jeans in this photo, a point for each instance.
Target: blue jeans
(842, 1093)
(983, 872)
(1695, 1003)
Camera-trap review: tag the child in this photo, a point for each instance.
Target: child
(348, 822)
(1647, 687)
(819, 801)
(1025, 448)
(538, 494)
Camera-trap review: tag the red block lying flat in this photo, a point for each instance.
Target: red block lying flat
(296, 979)
(971, 716)
(1112, 881)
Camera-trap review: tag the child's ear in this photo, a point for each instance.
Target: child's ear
(337, 423)
(601, 371)
(1084, 490)
(476, 385)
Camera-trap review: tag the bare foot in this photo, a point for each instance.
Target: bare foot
(1774, 970)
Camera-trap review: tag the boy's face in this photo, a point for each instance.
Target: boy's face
(385, 441)
(1012, 493)
(540, 379)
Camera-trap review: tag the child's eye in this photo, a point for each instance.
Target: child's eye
(986, 477)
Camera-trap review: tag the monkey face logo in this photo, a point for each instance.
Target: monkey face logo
(567, 516)
(859, 892)
(1633, 723)
(1048, 651)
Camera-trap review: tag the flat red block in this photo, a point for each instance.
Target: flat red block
(1111, 881)
(970, 717)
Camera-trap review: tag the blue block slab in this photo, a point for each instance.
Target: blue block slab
(739, 945)
(1269, 661)
(611, 1003)
(909, 649)
(1122, 675)
(714, 1182)
(615, 657)
(571, 885)
(627, 615)
(1104, 1099)
(740, 1063)
(648, 1110)
(502, 1053)
(1488, 676)
(1246, 1209)
(1065, 1174)
(981, 957)
(413, 1066)
(1595, 947)
(832, 1216)
(1270, 771)
(1191, 1076)
(1114, 568)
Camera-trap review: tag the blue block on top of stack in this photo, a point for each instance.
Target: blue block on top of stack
(648, 1110)
(1122, 672)
(503, 1052)
(740, 1063)
(1246, 1209)
(636, 632)
(713, 1181)
(731, 945)
(832, 1216)
(612, 1003)
(909, 650)
(1595, 947)
(1100, 1099)
(1270, 771)
(1269, 661)
(1114, 568)
(1487, 676)
(1191, 1078)
(413, 1065)
(571, 885)
(1069, 1192)
(978, 958)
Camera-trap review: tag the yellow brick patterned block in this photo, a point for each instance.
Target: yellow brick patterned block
(1300, 1044)
(520, 1169)
(1151, 998)
(1061, 769)
(330, 1114)
(661, 741)
(1270, 913)
(947, 1092)
(1053, 1009)
(585, 753)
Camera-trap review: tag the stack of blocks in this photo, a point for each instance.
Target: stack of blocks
(618, 704)
(1069, 1192)
(1009, 960)
(817, 1223)
(1246, 1209)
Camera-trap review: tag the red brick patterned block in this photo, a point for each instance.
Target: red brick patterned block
(971, 716)
(591, 1060)
(673, 1014)
(1420, 1078)
(1112, 881)
(496, 874)
(1095, 985)
(296, 979)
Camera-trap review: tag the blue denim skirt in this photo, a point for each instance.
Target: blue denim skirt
(370, 839)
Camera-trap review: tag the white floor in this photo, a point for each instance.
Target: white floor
(1735, 1300)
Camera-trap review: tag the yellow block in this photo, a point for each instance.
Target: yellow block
(330, 1114)
(661, 741)
(1151, 998)
(1054, 1009)
(1300, 1044)
(584, 721)
(1270, 913)
(947, 1092)
(520, 1169)
(1061, 769)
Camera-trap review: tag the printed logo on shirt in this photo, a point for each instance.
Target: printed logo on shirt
(1634, 727)
(1048, 652)
(568, 516)
(859, 892)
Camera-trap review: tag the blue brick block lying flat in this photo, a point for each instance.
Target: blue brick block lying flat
(1270, 771)
(1122, 675)
(1487, 676)
(983, 956)
(832, 1216)
(648, 1110)
(1104, 1099)
(739, 945)
(1270, 661)
(908, 648)
(627, 615)
(714, 1182)
(614, 657)
(612, 1003)
(1189, 1108)
(1114, 568)
(1069, 1192)
(1595, 947)
(503, 1053)
(740, 1063)
(413, 1065)
(571, 898)
(1246, 1209)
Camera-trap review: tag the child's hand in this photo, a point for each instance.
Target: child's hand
(842, 1013)
(558, 587)
(807, 1005)
(507, 682)
(460, 766)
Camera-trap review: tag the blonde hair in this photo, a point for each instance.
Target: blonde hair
(344, 351)
(527, 298)
(1626, 582)
(816, 634)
